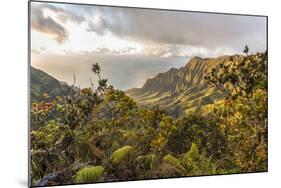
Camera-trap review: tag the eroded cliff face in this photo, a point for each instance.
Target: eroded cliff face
(180, 90)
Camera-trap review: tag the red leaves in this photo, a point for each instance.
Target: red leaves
(43, 106)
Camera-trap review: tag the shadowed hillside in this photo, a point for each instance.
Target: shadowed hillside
(41, 82)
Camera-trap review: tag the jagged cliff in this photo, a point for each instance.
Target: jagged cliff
(180, 90)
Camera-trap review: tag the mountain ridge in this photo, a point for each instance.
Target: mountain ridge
(41, 82)
(180, 90)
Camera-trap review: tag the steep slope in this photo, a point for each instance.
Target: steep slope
(41, 82)
(180, 90)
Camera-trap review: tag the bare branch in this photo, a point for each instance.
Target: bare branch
(91, 82)
(74, 81)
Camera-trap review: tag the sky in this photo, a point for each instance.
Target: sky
(132, 45)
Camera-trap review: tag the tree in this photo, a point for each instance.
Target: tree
(246, 50)
(101, 134)
(96, 69)
(243, 115)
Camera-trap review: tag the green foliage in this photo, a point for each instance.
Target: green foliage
(246, 50)
(173, 161)
(96, 68)
(243, 115)
(201, 130)
(42, 84)
(121, 155)
(193, 153)
(196, 163)
(89, 174)
(105, 129)
(145, 161)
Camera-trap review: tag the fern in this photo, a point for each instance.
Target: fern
(193, 153)
(145, 161)
(173, 161)
(198, 164)
(89, 174)
(121, 154)
(190, 159)
(207, 166)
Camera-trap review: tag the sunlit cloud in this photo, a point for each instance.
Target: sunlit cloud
(139, 42)
(46, 24)
(163, 33)
(182, 28)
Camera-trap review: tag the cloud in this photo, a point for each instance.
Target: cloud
(38, 50)
(182, 28)
(160, 33)
(35, 51)
(50, 25)
(47, 25)
(165, 51)
(103, 50)
(64, 14)
(98, 25)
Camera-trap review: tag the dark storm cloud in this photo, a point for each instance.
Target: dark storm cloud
(184, 28)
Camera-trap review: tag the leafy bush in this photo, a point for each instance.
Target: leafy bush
(71, 132)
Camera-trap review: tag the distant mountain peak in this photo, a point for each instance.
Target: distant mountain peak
(196, 58)
(183, 88)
